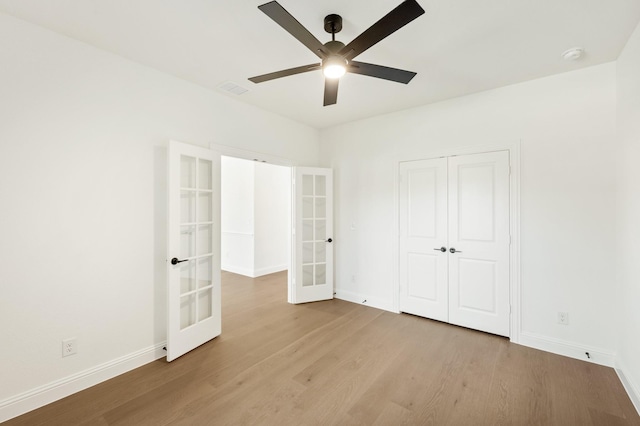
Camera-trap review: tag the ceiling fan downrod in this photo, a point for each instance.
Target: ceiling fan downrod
(333, 25)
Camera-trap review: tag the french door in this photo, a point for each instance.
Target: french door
(454, 240)
(193, 260)
(311, 274)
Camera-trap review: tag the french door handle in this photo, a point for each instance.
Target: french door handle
(329, 240)
(175, 261)
(452, 250)
(442, 249)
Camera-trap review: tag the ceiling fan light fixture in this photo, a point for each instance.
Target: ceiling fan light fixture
(334, 67)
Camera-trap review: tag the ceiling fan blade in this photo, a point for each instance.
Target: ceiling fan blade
(379, 71)
(330, 91)
(406, 12)
(283, 18)
(285, 73)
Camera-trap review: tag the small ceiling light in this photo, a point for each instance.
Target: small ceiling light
(334, 67)
(573, 54)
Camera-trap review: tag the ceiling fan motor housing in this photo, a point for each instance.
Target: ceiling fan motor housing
(334, 46)
(333, 23)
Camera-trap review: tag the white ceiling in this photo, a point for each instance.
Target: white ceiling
(458, 47)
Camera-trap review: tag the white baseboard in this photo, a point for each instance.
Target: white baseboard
(363, 299)
(270, 270)
(570, 349)
(632, 388)
(238, 270)
(46, 394)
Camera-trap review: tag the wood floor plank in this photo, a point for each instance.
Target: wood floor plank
(335, 389)
(467, 399)
(600, 418)
(407, 375)
(394, 414)
(579, 384)
(150, 406)
(519, 390)
(271, 370)
(339, 363)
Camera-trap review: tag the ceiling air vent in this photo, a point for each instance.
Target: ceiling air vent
(232, 87)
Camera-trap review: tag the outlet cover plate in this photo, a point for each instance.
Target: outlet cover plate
(69, 346)
(563, 318)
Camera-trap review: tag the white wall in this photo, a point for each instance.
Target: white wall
(566, 125)
(628, 329)
(255, 217)
(83, 139)
(272, 216)
(237, 194)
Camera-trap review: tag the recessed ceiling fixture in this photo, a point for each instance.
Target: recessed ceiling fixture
(573, 54)
(336, 58)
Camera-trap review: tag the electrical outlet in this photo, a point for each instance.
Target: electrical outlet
(69, 347)
(563, 318)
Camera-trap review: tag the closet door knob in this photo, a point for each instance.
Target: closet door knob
(329, 240)
(175, 261)
(442, 249)
(452, 250)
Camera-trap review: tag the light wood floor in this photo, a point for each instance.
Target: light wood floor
(338, 363)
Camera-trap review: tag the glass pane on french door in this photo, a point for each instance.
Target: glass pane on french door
(314, 246)
(193, 248)
(312, 253)
(196, 242)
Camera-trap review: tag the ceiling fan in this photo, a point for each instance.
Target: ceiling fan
(336, 57)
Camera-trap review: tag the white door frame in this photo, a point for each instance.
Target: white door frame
(514, 225)
(230, 151)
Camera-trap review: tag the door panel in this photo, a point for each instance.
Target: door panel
(193, 279)
(311, 272)
(423, 230)
(476, 202)
(422, 282)
(479, 233)
(477, 285)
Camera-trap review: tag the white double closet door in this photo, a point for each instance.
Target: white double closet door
(454, 240)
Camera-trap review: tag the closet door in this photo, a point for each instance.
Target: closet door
(423, 238)
(479, 242)
(454, 240)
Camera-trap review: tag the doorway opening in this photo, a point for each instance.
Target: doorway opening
(255, 218)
